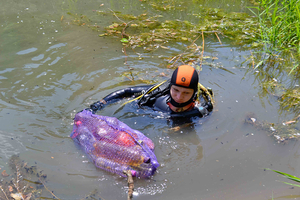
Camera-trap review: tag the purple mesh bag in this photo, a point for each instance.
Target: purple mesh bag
(114, 146)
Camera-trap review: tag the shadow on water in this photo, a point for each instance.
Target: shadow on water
(53, 64)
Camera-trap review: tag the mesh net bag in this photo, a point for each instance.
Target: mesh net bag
(114, 146)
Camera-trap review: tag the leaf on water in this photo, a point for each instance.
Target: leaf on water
(163, 74)
(124, 40)
(290, 122)
(10, 188)
(198, 68)
(184, 38)
(16, 196)
(28, 196)
(259, 64)
(291, 177)
(4, 174)
(163, 47)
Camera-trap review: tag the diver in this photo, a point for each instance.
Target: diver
(178, 97)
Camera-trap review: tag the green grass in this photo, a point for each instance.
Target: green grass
(291, 177)
(279, 26)
(279, 23)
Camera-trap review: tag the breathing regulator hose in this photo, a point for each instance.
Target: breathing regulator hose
(147, 92)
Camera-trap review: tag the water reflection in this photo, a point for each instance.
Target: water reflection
(275, 83)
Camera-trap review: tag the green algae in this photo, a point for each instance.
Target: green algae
(79, 20)
(152, 32)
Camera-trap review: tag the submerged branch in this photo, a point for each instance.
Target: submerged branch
(48, 189)
(3, 192)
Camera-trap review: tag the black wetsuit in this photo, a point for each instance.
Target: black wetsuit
(157, 99)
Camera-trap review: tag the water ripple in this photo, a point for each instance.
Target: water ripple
(26, 51)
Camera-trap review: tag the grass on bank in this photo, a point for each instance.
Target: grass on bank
(279, 28)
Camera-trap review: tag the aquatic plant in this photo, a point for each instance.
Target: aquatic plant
(23, 182)
(151, 32)
(271, 73)
(280, 23)
(281, 132)
(79, 20)
(279, 26)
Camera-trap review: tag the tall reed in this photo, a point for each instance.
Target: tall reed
(279, 22)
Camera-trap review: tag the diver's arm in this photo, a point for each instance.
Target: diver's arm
(118, 95)
(195, 112)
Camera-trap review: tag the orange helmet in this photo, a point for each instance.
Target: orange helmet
(185, 76)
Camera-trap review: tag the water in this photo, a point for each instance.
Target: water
(50, 69)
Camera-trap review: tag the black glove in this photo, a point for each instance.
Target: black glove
(96, 106)
(208, 106)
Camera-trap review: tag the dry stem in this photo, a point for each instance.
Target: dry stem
(252, 59)
(218, 37)
(130, 184)
(202, 51)
(4, 192)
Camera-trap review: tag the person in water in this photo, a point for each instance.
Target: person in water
(177, 97)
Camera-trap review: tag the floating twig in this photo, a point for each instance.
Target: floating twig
(130, 183)
(179, 56)
(218, 37)
(252, 59)
(4, 192)
(195, 40)
(202, 51)
(116, 15)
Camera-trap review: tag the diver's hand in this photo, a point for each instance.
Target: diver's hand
(208, 106)
(96, 106)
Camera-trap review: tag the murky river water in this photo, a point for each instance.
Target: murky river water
(50, 69)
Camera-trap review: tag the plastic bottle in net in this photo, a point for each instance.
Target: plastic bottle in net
(114, 146)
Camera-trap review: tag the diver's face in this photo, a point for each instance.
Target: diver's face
(181, 94)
